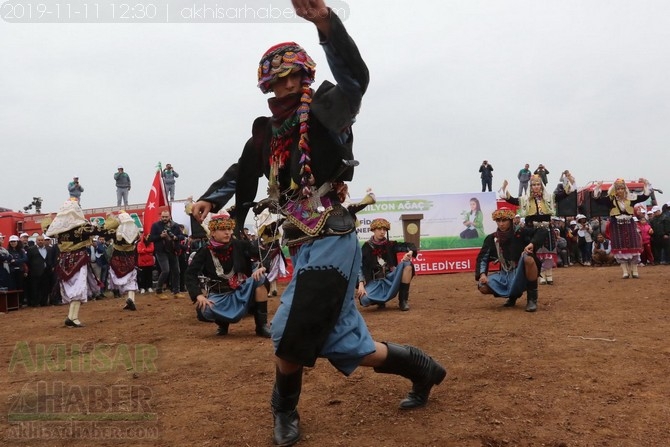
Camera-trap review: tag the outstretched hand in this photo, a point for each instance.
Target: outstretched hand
(200, 210)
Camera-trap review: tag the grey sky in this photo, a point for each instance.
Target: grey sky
(579, 85)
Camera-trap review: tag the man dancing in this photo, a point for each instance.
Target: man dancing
(301, 149)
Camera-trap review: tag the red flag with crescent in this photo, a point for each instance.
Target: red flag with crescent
(156, 203)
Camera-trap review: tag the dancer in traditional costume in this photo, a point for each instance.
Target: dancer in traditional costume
(621, 227)
(122, 272)
(221, 282)
(515, 251)
(537, 208)
(76, 280)
(301, 149)
(382, 277)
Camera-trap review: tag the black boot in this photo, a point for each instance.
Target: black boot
(403, 296)
(261, 319)
(222, 327)
(511, 302)
(415, 365)
(285, 396)
(531, 296)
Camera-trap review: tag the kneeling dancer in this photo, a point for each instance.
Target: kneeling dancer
(231, 289)
(515, 250)
(382, 276)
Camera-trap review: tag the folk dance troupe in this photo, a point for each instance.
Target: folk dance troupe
(305, 151)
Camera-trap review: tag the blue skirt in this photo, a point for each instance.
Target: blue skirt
(509, 284)
(317, 315)
(382, 290)
(232, 306)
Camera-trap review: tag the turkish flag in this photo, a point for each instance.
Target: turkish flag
(156, 203)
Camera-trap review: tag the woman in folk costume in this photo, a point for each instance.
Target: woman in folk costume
(273, 257)
(382, 277)
(122, 272)
(622, 229)
(536, 208)
(74, 239)
(231, 290)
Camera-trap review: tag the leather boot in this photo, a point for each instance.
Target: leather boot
(222, 327)
(531, 300)
(415, 365)
(285, 396)
(403, 296)
(511, 302)
(261, 319)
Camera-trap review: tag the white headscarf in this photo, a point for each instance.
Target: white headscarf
(69, 216)
(127, 229)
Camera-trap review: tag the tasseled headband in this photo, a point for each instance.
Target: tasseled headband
(281, 60)
(221, 222)
(503, 214)
(380, 223)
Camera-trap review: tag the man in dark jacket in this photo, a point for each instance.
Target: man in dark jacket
(40, 272)
(166, 236)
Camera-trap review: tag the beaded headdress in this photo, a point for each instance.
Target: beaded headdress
(221, 222)
(281, 60)
(380, 223)
(504, 213)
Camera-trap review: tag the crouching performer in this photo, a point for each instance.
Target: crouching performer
(515, 251)
(382, 277)
(221, 283)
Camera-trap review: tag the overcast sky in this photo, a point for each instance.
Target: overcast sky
(573, 84)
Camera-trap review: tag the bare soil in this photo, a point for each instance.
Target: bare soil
(589, 368)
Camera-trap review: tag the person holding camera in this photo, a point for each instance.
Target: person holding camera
(166, 235)
(75, 189)
(486, 171)
(169, 175)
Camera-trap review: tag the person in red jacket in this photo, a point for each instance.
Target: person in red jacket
(146, 262)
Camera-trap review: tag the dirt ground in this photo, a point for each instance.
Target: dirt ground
(589, 368)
